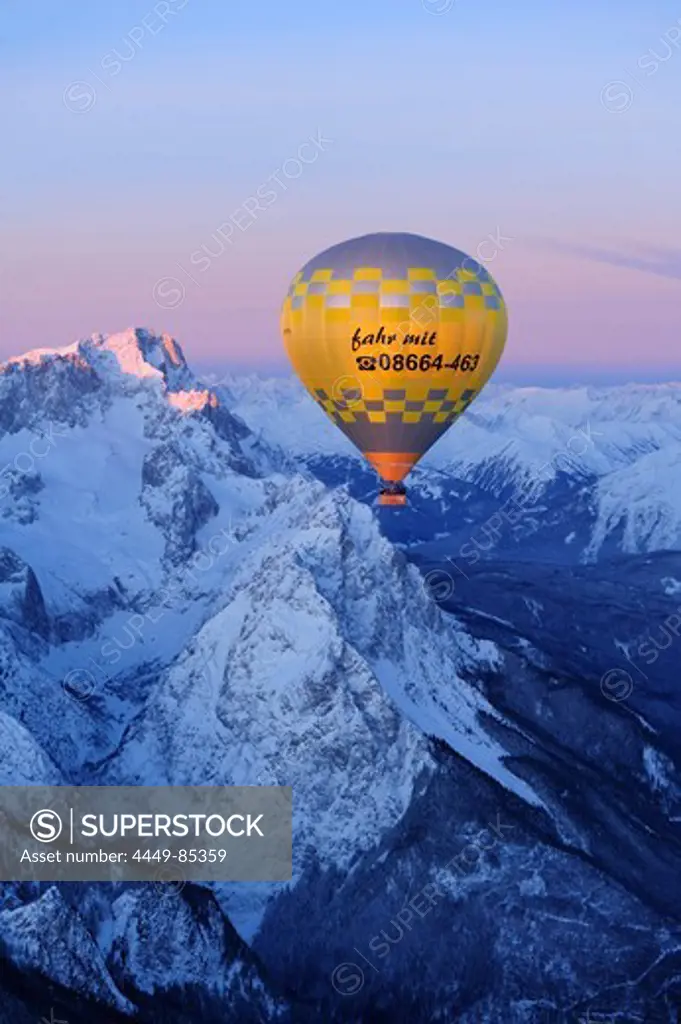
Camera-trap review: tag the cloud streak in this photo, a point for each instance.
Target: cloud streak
(660, 261)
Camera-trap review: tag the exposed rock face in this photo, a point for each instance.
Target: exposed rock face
(171, 940)
(176, 499)
(21, 600)
(70, 958)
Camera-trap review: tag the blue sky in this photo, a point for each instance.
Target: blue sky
(138, 129)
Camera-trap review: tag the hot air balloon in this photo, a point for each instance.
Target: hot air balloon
(393, 335)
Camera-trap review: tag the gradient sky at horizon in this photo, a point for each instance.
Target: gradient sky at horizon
(131, 140)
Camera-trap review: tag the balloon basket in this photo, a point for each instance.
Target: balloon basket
(393, 498)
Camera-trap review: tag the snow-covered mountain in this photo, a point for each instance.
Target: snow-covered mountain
(478, 824)
(620, 446)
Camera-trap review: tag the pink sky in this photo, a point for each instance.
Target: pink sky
(564, 309)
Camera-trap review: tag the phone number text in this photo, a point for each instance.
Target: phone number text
(422, 364)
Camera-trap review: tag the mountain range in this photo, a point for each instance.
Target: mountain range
(475, 698)
(608, 457)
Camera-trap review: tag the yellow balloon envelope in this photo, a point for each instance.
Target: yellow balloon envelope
(394, 335)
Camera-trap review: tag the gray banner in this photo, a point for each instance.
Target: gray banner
(145, 833)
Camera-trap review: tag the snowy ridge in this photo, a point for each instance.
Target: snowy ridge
(329, 665)
(22, 761)
(70, 958)
(144, 953)
(80, 431)
(642, 502)
(135, 351)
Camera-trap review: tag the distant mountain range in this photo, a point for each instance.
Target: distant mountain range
(195, 588)
(613, 455)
